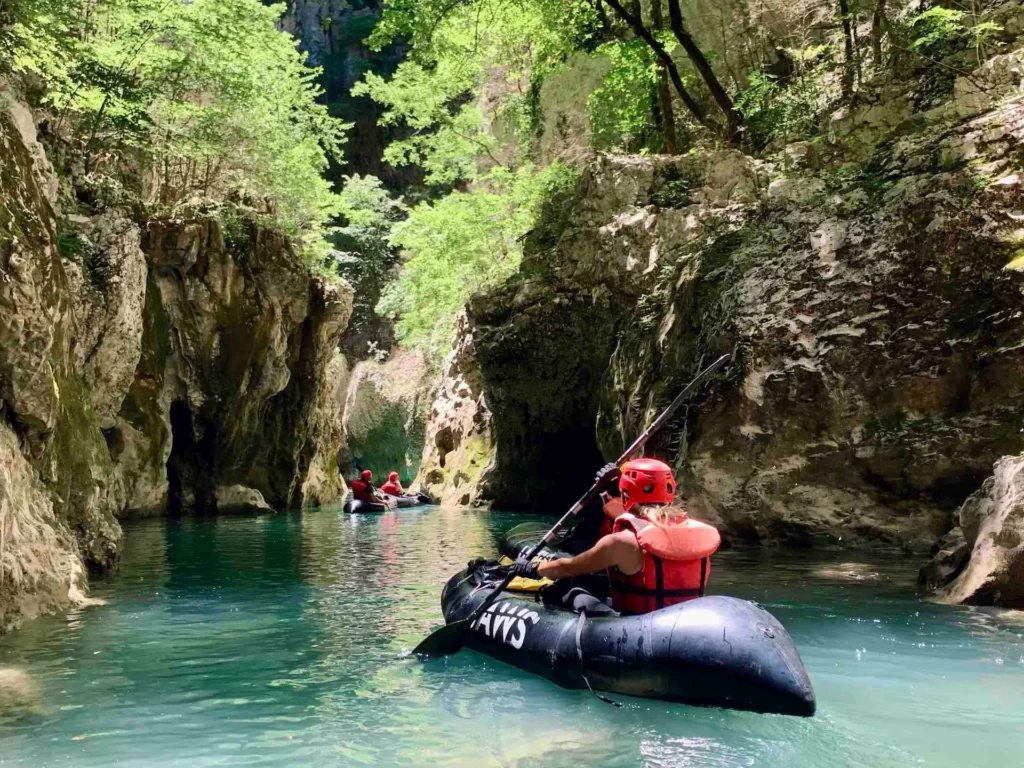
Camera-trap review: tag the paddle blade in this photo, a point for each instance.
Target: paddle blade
(445, 641)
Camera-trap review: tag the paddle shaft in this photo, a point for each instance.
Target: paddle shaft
(596, 487)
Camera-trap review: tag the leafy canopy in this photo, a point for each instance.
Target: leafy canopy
(370, 213)
(209, 93)
(459, 245)
(456, 48)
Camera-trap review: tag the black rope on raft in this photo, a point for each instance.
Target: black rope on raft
(583, 674)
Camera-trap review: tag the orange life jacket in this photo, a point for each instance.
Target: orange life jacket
(393, 488)
(677, 564)
(362, 490)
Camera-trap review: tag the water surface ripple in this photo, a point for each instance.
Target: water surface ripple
(276, 640)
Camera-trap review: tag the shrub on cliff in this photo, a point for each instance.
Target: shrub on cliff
(207, 96)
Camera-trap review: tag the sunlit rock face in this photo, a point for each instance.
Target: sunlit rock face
(877, 374)
(41, 570)
(458, 451)
(876, 328)
(992, 520)
(43, 396)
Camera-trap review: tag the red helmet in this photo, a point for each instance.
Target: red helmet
(393, 477)
(367, 475)
(646, 481)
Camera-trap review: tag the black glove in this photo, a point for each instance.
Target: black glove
(608, 479)
(525, 569)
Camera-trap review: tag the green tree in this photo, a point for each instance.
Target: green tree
(459, 245)
(365, 255)
(454, 49)
(208, 95)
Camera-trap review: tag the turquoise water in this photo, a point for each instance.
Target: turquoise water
(275, 640)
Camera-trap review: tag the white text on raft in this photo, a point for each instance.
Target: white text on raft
(507, 622)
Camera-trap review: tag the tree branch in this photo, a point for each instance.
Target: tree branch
(732, 117)
(655, 45)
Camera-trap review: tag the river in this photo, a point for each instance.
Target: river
(278, 640)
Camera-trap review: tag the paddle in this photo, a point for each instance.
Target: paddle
(450, 638)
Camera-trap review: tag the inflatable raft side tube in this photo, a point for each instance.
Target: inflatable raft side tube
(357, 507)
(713, 651)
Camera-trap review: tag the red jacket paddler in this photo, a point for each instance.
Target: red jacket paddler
(362, 488)
(393, 486)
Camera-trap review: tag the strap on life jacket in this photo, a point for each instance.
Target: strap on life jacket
(691, 542)
(659, 593)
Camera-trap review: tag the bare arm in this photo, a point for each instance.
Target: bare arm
(616, 550)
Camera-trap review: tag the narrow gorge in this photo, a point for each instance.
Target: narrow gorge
(316, 315)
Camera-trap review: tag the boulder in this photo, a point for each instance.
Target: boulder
(239, 499)
(20, 694)
(949, 557)
(993, 525)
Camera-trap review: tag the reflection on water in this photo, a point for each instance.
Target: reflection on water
(279, 639)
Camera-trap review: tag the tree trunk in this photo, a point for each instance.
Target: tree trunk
(878, 23)
(668, 116)
(848, 50)
(644, 34)
(733, 118)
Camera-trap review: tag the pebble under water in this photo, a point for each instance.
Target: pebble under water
(277, 640)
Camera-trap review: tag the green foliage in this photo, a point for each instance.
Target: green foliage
(445, 142)
(457, 49)
(938, 26)
(620, 110)
(935, 26)
(212, 97)
(37, 36)
(773, 109)
(365, 255)
(674, 194)
(460, 244)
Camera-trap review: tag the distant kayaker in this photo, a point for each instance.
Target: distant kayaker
(363, 490)
(655, 555)
(393, 486)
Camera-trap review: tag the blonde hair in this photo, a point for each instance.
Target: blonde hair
(659, 514)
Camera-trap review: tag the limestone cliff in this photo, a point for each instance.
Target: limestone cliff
(238, 343)
(43, 397)
(147, 365)
(877, 327)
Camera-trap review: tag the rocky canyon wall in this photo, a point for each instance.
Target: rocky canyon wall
(147, 366)
(876, 321)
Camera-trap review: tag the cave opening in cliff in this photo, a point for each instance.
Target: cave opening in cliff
(190, 465)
